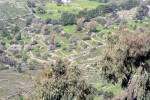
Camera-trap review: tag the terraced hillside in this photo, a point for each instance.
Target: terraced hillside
(33, 37)
(13, 8)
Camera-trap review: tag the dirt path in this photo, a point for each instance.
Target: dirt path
(54, 55)
(63, 53)
(32, 12)
(39, 60)
(103, 43)
(75, 52)
(87, 43)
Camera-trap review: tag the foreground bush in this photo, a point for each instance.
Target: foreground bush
(61, 81)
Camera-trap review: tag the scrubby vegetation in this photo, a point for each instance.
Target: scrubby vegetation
(61, 81)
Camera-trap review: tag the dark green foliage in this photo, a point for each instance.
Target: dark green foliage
(16, 29)
(40, 10)
(79, 28)
(24, 57)
(68, 18)
(4, 32)
(18, 37)
(108, 95)
(8, 61)
(99, 11)
(48, 20)
(125, 60)
(59, 3)
(62, 82)
(3, 67)
(52, 21)
(19, 69)
(33, 65)
(3, 43)
(29, 21)
(129, 4)
(141, 12)
(31, 4)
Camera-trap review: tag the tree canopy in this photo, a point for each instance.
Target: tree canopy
(127, 57)
(61, 81)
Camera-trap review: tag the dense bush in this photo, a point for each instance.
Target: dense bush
(79, 28)
(52, 21)
(68, 18)
(31, 4)
(129, 4)
(27, 47)
(60, 81)
(141, 12)
(18, 37)
(28, 21)
(40, 10)
(126, 59)
(9, 61)
(108, 95)
(91, 26)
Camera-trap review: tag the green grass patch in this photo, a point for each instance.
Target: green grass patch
(59, 54)
(92, 43)
(43, 50)
(69, 29)
(27, 40)
(33, 50)
(86, 4)
(6, 40)
(63, 39)
(96, 38)
(100, 28)
(78, 35)
(61, 45)
(47, 15)
(77, 49)
(54, 7)
(66, 52)
(108, 88)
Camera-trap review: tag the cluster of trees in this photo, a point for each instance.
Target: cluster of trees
(129, 4)
(52, 21)
(122, 5)
(59, 2)
(70, 19)
(141, 12)
(28, 21)
(127, 60)
(6, 30)
(40, 10)
(60, 81)
(8, 61)
(126, 57)
(112, 6)
(91, 26)
(31, 4)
